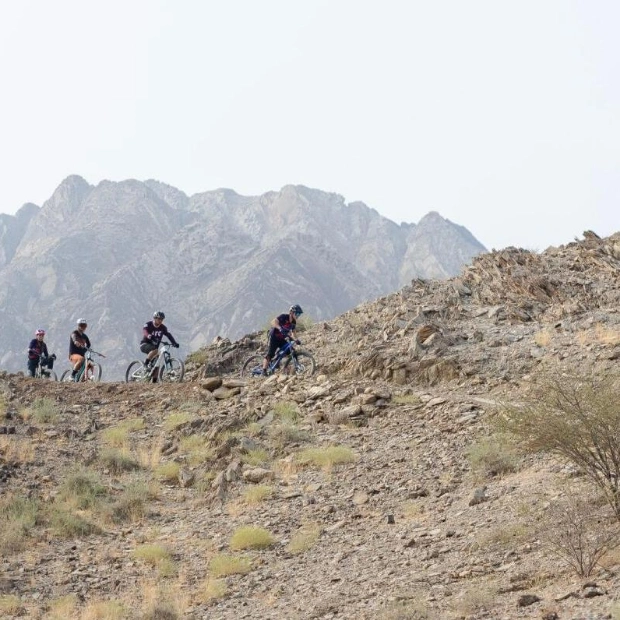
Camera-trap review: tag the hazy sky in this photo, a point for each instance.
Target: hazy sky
(501, 115)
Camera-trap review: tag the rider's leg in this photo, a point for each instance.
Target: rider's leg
(150, 350)
(273, 344)
(76, 360)
(32, 366)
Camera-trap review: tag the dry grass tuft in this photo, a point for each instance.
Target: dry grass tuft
(104, 610)
(82, 489)
(257, 493)
(197, 449)
(63, 608)
(259, 456)
(327, 458)
(67, 524)
(42, 411)
(286, 412)
(118, 461)
(473, 600)
(158, 557)
(251, 537)
(222, 565)
(176, 419)
(18, 516)
(492, 456)
(304, 539)
(10, 604)
(168, 472)
(213, 589)
(543, 338)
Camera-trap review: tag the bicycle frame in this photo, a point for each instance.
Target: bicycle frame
(87, 363)
(163, 357)
(286, 349)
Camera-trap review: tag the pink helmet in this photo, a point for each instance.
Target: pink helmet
(39, 332)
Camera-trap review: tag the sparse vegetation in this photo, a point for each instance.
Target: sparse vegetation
(169, 471)
(286, 411)
(157, 556)
(118, 461)
(67, 524)
(196, 448)
(257, 494)
(42, 411)
(82, 488)
(18, 516)
(258, 456)
(406, 399)
(408, 609)
(326, 458)
(473, 600)
(213, 589)
(304, 539)
(492, 456)
(285, 434)
(104, 610)
(251, 537)
(116, 436)
(10, 604)
(222, 565)
(579, 534)
(174, 420)
(132, 503)
(63, 608)
(575, 418)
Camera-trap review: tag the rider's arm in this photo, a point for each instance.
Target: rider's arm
(170, 337)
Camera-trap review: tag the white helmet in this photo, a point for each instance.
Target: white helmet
(82, 322)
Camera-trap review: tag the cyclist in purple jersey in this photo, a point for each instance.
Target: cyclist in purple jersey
(36, 349)
(282, 327)
(152, 333)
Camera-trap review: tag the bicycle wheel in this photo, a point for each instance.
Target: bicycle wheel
(50, 375)
(303, 364)
(66, 377)
(172, 371)
(252, 367)
(135, 372)
(92, 372)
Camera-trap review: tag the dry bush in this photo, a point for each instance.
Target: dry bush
(577, 419)
(169, 472)
(408, 610)
(82, 488)
(473, 600)
(196, 449)
(286, 411)
(176, 419)
(15, 450)
(543, 338)
(67, 524)
(63, 608)
(157, 556)
(580, 533)
(131, 505)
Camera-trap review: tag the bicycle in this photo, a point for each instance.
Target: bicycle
(44, 370)
(88, 370)
(169, 368)
(292, 361)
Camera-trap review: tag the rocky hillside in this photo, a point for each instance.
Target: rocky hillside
(363, 491)
(217, 263)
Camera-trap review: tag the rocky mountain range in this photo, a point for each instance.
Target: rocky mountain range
(217, 263)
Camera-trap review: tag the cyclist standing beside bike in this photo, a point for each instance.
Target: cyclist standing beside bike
(36, 349)
(78, 344)
(282, 327)
(152, 333)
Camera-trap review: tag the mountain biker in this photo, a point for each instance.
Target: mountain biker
(152, 333)
(282, 327)
(78, 344)
(36, 349)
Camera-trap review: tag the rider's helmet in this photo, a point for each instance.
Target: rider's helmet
(159, 315)
(82, 322)
(39, 332)
(296, 309)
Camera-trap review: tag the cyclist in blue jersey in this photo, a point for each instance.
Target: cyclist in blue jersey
(282, 327)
